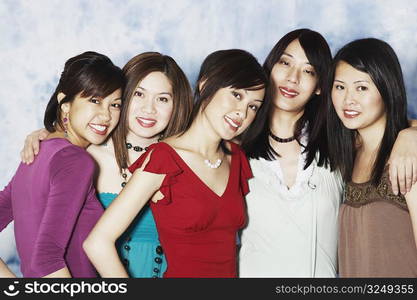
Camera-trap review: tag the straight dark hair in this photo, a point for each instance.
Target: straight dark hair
(234, 68)
(135, 71)
(91, 74)
(256, 143)
(379, 61)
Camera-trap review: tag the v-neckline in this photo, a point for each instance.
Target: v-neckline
(199, 179)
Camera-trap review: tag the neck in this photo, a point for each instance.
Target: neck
(140, 141)
(370, 138)
(204, 139)
(71, 138)
(283, 123)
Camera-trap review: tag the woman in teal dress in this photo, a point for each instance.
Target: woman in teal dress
(139, 247)
(158, 103)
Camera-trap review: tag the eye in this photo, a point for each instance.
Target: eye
(94, 100)
(138, 94)
(163, 99)
(117, 105)
(310, 72)
(253, 107)
(362, 88)
(339, 87)
(237, 95)
(283, 62)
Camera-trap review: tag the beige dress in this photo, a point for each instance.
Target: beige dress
(376, 235)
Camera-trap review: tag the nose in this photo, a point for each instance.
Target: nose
(349, 98)
(293, 75)
(105, 113)
(242, 110)
(148, 106)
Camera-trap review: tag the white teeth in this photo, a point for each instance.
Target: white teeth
(351, 113)
(146, 121)
(98, 127)
(289, 93)
(230, 121)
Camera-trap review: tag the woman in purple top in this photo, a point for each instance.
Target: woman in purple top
(52, 201)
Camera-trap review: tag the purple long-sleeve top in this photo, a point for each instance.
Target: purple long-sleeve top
(54, 207)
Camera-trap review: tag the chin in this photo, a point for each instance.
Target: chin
(97, 140)
(350, 125)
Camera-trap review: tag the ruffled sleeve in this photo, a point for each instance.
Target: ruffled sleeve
(162, 161)
(245, 171)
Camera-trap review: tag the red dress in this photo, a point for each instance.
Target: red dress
(197, 228)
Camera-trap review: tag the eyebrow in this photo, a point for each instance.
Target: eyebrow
(357, 81)
(287, 54)
(246, 92)
(163, 93)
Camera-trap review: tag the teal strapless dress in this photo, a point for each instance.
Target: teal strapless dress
(139, 247)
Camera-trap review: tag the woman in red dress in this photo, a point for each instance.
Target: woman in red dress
(196, 180)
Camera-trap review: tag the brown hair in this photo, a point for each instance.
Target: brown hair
(136, 70)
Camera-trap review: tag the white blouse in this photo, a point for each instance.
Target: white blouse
(291, 232)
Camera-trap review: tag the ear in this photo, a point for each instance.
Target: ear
(60, 96)
(201, 84)
(318, 91)
(65, 107)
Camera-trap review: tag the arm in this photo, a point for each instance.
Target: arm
(6, 212)
(31, 146)
(100, 244)
(6, 217)
(411, 198)
(70, 181)
(403, 160)
(61, 273)
(5, 272)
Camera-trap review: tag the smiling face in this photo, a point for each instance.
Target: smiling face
(91, 119)
(356, 99)
(294, 78)
(151, 106)
(232, 110)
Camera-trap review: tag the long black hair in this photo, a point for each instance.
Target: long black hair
(379, 61)
(256, 144)
(89, 73)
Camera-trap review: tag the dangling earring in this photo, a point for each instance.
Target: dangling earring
(65, 120)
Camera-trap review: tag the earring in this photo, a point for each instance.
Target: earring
(65, 120)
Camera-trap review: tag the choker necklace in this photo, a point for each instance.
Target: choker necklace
(280, 140)
(136, 148)
(215, 165)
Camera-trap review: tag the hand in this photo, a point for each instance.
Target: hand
(32, 143)
(403, 161)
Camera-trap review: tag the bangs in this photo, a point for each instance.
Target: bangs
(99, 83)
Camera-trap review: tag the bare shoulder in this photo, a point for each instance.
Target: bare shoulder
(177, 143)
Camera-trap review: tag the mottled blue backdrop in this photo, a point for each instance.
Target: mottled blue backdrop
(38, 36)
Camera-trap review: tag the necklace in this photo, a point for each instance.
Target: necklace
(136, 148)
(214, 165)
(281, 140)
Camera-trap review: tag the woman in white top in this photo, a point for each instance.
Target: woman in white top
(294, 196)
